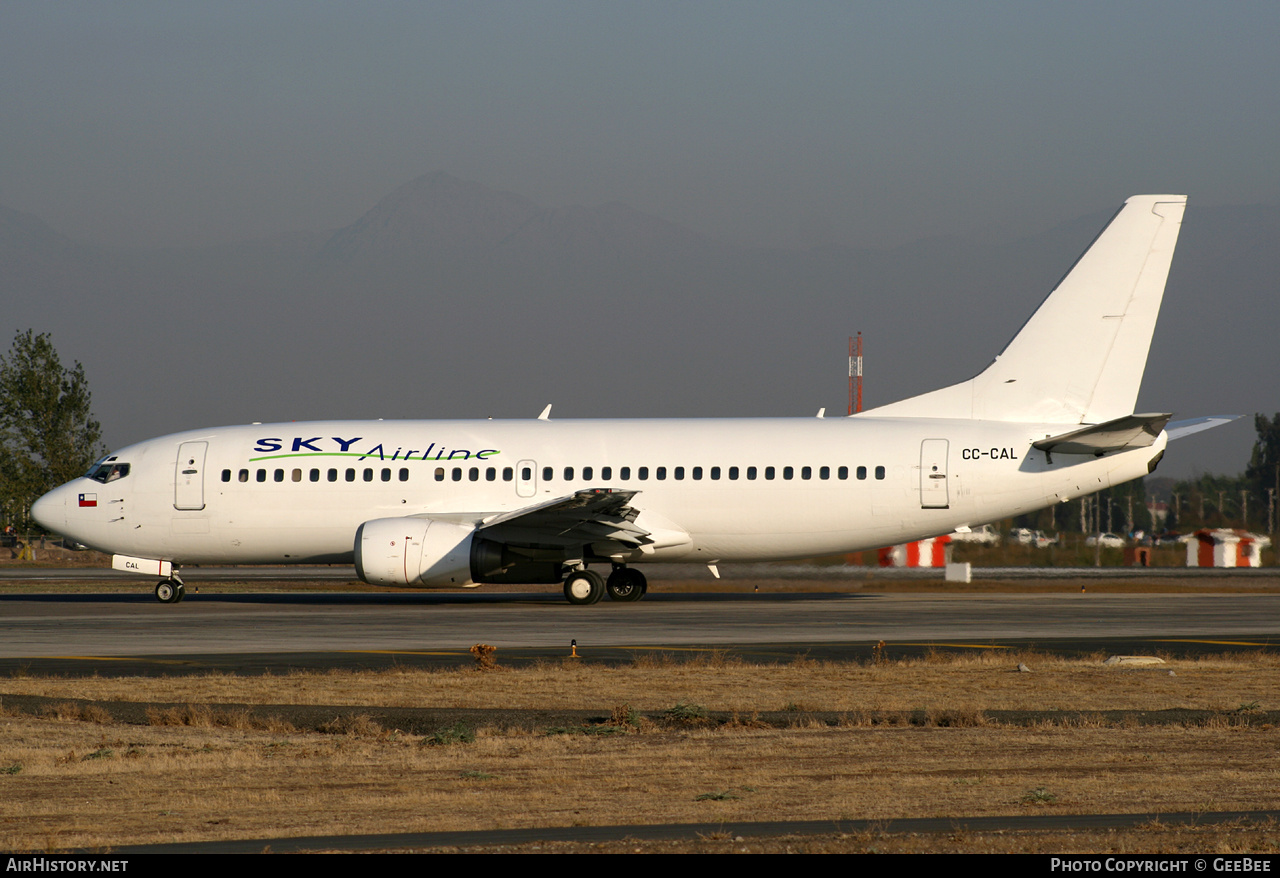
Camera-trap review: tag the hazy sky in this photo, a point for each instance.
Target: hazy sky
(143, 123)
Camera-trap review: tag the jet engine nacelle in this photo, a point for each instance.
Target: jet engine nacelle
(424, 552)
(414, 551)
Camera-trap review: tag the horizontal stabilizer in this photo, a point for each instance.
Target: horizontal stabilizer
(1131, 431)
(1178, 429)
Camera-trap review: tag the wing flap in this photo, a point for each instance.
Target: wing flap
(586, 516)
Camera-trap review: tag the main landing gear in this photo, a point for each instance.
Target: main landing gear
(171, 590)
(583, 587)
(626, 585)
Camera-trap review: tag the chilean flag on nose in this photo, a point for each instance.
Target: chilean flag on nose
(88, 500)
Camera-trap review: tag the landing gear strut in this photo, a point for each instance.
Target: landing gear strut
(625, 584)
(171, 590)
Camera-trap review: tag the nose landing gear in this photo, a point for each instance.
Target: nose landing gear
(171, 590)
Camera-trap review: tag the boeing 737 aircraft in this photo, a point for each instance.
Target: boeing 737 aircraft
(460, 503)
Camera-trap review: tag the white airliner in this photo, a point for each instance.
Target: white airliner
(460, 503)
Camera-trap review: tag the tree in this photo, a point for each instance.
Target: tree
(1263, 471)
(47, 432)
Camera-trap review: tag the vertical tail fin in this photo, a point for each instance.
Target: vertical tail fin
(1080, 358)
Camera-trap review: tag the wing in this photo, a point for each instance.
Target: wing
(602, 518)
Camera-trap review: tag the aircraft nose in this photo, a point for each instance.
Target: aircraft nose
(50, 511)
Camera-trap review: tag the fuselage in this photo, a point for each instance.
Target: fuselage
(708, 490)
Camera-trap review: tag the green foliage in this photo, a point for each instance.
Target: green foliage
(1263, 471)
(683, 712)
(1211, 501)
(1039, 796)
(47, 432)
(458, 733)
(624, 715)
(1236, 501)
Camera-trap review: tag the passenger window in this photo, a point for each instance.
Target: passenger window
(806, 472)
(679, 472)
(404, 474)
(279, 475)
(661, 473)
(368, 474)
(508, 474)
(526, 474)
(843, 472)
(568, 474)
(586, 473)
(733, 473)
(824, 473)
(751, 473)
(244, 475)
(351, 474)
(262, 475)
(226, 475)
(457, 473)
(768, 472)
(879, 472)
(546, 473)
(643, 473)
(439, 474)
(296, 475)
(606, 473)
(862, 472)
(315, 475)
(490, 475)
(474, 474)
(386, 473)
(333, 475)
(788, 472)
(625, 474)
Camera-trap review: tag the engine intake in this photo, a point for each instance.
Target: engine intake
(414, 551)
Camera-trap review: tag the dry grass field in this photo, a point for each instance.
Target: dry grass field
(940, 736)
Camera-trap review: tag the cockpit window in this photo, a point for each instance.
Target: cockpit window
(108, 470)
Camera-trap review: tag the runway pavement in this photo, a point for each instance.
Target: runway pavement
(47, 626)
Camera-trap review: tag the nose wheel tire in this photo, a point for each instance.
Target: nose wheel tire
(583, 587)
(626, 585)
(170, 592)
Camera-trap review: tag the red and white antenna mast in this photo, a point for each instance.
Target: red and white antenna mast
(855, 374)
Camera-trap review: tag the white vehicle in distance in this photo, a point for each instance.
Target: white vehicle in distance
(1106, 540)
(984, 535)
(1026, 537)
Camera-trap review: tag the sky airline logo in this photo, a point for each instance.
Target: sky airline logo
(335, 446)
